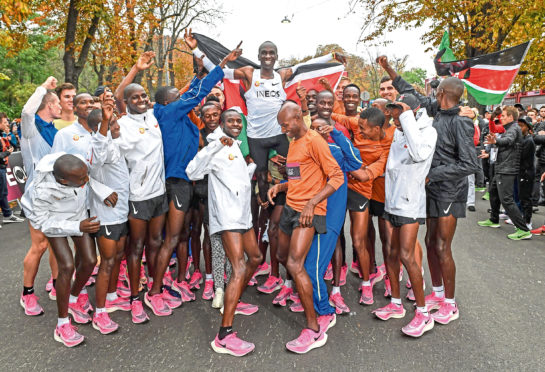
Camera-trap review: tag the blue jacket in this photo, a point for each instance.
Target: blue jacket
(180, 135)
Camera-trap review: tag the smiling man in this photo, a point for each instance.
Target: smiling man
(66, 93)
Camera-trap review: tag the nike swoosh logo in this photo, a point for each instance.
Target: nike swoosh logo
(178, 204)
(363, 205)
(134, 209)
(446, 210)
(275, 84)
(108, 232)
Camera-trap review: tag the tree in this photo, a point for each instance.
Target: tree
(416, 76)
(476, 27)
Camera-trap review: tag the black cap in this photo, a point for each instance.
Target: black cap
(408, 99)
(99, 90)
(518, 105)
(526, 120)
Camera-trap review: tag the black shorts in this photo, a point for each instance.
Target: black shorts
(240, 231)
(436, 209)
(148, 209)
(259, 149)
(398, 221)
(180, 193)
(356, 202)
(200, 193)
(376, 208)
(289, 220)
(113, 232)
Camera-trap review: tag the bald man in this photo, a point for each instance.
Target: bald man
(453, 160)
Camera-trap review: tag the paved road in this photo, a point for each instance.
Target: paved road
(500, 292)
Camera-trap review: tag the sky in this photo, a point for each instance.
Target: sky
(312, 23)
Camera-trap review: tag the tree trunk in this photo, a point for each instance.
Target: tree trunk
(171, 69)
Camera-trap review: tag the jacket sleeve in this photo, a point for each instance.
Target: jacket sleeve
(103, 151)
(466, 163)
(350, 123)
(495, 128)
(421, 144)
(508, 138)
(198, 89)
(203, 163)
(322, 155)
(47, 223)
(28, 127)
(351, 156)
(99, 189)
(430, 104)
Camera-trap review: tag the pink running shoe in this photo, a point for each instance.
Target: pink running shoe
(122, 289)
(78, 313)
(30, 304)
(208, 292)
(366, 295)
(390, 311)
(103, 323)
(183, 289)
(143, 277)
(172, 298)
(337, 301)
(387, 287)
(157, 304)
(446, 314)
(137, 312)
(187, 266)
(252, 282)
(408, 284)
(123, 273)
(307, 340)
(196, 280)
(355, 269)
(297, 306)
(382, 269)
(53, 294)
(90, 282)
(83, 300)
(433, 302)
(49, 285)
(120, 303)
(327, 321)
(419, 325)
(263, 269)
(400, 272)
(271, 285)
(329, 272)
(342, 278)
(167, 278)
(244, 309)
(410, 295)
(374, 278)
(95, 271)
(68, 335)
(172, 262)
(232, 345)
(282, 296)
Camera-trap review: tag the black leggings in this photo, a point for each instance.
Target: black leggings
(259, 149)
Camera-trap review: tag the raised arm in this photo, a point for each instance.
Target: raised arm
(143, 63)
(28, 126)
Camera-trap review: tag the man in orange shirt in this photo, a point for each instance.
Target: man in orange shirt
(313, 175)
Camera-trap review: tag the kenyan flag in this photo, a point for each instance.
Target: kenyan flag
(487, 77)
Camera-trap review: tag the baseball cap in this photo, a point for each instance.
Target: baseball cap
(408, 99)
(100, 90)
(526, 120)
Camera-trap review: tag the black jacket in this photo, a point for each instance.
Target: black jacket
(539, 141)
(455, 156)
(527, 169)
(508, 160)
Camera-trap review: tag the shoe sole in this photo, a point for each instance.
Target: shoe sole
(262, 272)
(223, 350)
(52, 297)
(426, 329)
(140, 322)
(116, 308)
(314, 345)
(392, 316)
(217, 305)
(492, 226)
(23, 305)
(5, 222)
(332, 324)
(148, 303)
(523, 238)
(269, 291)
(58, 339)
(454, 317)
(104, 333)
(239, 312)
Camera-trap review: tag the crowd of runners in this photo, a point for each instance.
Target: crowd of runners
(151, 185)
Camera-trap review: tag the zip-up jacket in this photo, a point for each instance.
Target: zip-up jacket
(409, 161)
(539, 141)
(180, 135)
(141, 146)
(508, 159)
(527, 169)
(455, 157)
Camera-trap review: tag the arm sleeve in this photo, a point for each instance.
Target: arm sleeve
(203, 163)
(507, 139)
(321, 153)
(466, 163)
(28, 128)
(103, 151)
(431, 105)
(50, 225)
(350, 123)
(198, 89)
(99, 189)
(421, 145)
(376, 169)
(351, 155)
(495, 128)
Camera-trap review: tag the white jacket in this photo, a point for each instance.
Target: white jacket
(56, 209)
(73, 139)
(141, 145)
(408, 164)
(229, 183)
(109, 168)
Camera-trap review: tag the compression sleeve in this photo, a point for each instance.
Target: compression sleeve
(207, 63)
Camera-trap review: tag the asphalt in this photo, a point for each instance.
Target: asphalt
(500, 292)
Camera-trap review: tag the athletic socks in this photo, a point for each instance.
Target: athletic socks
(111, 296)
(209, 277)
(28, 290)
(72, 299)
(439, 291)
(335, 290)
(84, 290)
(423, 310)
(366, 283)
(288, 283)
(396, 301)
(450, 301)
(100, 310)
(62, 321)
(224, 332)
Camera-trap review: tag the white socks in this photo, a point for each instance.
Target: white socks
(62, 321)
(111, 296)
(335, 290)
(72, 299)
(396, 301)
(366, 283)
(450, 301)
(209, 277)
(288, 283)
(423, 310)
(100, 310)
(439, 291)
(84, 290)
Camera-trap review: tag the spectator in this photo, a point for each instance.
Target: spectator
(527, 169)
(66, 93)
